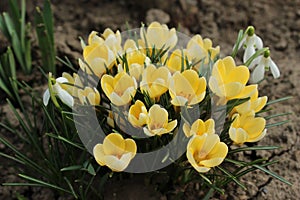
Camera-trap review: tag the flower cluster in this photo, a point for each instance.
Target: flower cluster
(151, 85)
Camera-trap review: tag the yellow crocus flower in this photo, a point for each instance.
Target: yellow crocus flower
(206, 151)
(113, 40)
(157, 122)
(159, 36)
(228, 80)
(115, 152)
(119, 89)
(176, 60)
(247, 128)
(187, 88)
(97, 59)
(155, 81)
(199, 127)
(254, 104)
(198, 49)
(89, 96)
(135, 62)
(138, 114)
(74, 83)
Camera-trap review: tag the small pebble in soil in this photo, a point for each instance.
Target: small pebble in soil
(157, 15)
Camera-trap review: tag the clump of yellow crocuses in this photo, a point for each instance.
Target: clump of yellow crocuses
(153, 93)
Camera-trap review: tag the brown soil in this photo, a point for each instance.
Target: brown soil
(277, 22)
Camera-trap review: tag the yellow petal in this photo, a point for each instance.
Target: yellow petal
(239, 74)
(232, 89)
(113, 144)
(130, 146)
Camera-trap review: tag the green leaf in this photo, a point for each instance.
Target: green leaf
(279, 100)
(232, 177)
(273, 174)
(71, 187)
(71, 168)
(277, 124)
(44, 184)
(256, 148)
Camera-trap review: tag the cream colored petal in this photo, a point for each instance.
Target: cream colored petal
(238, 135)
(198, 127)
(187, 130)
(158, 114)
(116, 164)
(179, 101)
(212, 162)
(99, 154)
(210, 141)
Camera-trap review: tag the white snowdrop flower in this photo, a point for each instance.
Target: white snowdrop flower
(251, 42)
(64, 96)
(263, 63)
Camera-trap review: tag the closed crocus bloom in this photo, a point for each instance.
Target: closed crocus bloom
(113, 40)
(187, 88)
(115, 152)
(177, 61)
(159, 36)
(155, 81)
(138, 114)
(254, 104)
(74, 83)
(119, 89)
(157, 122)
(89, 96)
(199, 127)
(247, 128)
(206, 151)
(130, 45)
(228, 80)
(135, 63)
(198, 49)
(98, 58)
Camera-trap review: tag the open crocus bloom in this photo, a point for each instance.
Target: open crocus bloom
(115, 152)
(89, 96)
(119, 89)
(206, 151)
(247, 128)
(198, 49)
(138, 114)
(157, 122)
(159, 36)
(98, 58)
(187, 88)
(57, 90)
(199, 127)
(228, 80)
(155, 81)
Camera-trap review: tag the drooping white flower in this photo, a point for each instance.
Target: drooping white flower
(261, 64)
(251, 42)
(64, 96)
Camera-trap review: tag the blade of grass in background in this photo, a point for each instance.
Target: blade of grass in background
(45, 34)
(15, 29)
